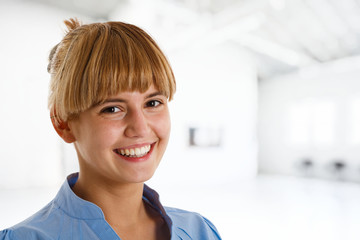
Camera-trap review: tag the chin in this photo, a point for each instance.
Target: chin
(141, 178)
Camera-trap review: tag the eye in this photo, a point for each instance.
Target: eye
(110, 110)
(153, 103)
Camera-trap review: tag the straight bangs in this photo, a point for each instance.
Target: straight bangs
(111, 58)
(124, 60)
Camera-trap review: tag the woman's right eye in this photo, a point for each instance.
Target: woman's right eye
(110, 110)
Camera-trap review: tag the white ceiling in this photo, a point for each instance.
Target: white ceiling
(283, 35)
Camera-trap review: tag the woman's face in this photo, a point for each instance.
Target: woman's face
(123, 139)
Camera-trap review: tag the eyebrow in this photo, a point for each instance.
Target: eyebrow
(110, 100)
(154, 95)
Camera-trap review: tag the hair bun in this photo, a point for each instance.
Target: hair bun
(72, 24)
(51, 56)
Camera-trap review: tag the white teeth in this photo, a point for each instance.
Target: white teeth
(135, 152)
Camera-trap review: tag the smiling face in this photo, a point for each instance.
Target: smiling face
(124, 138)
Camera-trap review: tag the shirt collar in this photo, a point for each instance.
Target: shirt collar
(152, 198)
(74, 206)
(79, 208)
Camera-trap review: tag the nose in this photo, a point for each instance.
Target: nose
(137, 124)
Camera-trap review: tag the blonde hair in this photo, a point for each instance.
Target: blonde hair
(95, 61)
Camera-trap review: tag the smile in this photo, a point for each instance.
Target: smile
(134, 152)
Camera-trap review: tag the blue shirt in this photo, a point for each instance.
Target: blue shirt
(69, 217)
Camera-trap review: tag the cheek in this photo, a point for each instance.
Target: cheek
(163, 126)
(97, 137)
(107, 135)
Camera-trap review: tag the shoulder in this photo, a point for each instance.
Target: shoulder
(41, 225)
(192, 224)
(5, 235)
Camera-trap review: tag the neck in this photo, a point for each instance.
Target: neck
(121, 203)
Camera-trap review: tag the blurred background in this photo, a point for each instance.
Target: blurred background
(265, 123)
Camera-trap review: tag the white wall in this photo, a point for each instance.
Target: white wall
(30, 151)
(313, 113)
(217, 88)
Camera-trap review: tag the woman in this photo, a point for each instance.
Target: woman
(109, 93)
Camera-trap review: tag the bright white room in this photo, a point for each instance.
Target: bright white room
(265, 138)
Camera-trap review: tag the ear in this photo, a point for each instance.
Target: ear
(62, 128)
